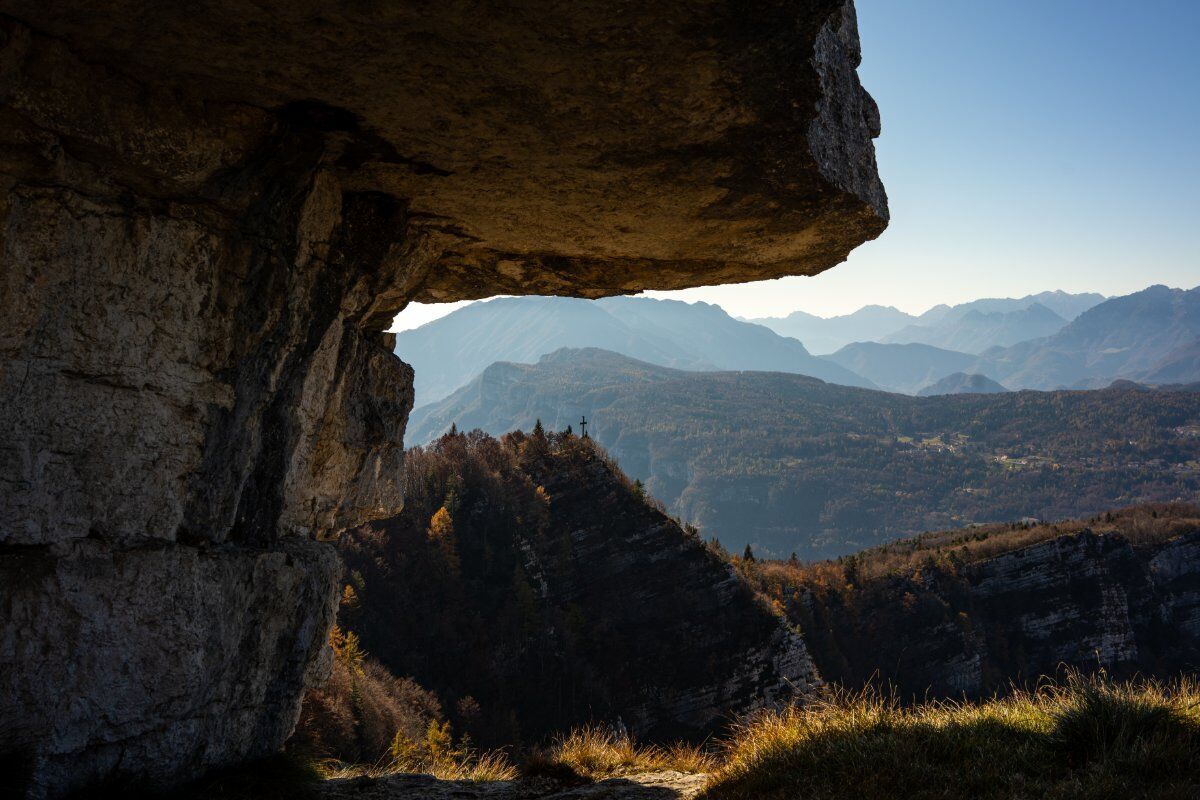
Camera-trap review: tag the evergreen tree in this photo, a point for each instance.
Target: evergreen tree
(748, 554)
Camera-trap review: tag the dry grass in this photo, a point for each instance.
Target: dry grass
(1085, 739)
(595, 753)
(484, 768)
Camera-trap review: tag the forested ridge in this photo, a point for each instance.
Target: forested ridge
(792, 464)
(530, 586)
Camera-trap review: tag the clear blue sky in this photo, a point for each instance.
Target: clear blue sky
(1026, 146)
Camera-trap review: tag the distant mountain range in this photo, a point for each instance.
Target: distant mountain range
(788, 463)
(939, 326)
(449, 352)
(1147, 335)
(1150, 336)
(976, 331)
(823, 335)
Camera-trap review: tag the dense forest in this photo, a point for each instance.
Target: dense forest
(528, 587)
(791, 464)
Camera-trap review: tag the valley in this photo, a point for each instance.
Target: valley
(791, 464)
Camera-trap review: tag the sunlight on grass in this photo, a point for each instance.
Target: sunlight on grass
(595, 753)
(1085, 739)
(484, 768)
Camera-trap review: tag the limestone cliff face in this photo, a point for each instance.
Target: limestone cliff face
(208, 217)
(1087, 600)
(185, 384)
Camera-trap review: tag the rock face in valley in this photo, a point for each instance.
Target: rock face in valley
(529, 575)
(1121, 592)
(205, 230)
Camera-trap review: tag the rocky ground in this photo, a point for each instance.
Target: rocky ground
(648, 786)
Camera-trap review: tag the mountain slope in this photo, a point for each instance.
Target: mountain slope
(903, 368)
(789, 463)
(1180, 366)
(977, 330)
(531, 576)
(449, 352)
(962, 383)
(1119, 338)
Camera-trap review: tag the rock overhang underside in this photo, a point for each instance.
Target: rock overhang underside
(582, 148)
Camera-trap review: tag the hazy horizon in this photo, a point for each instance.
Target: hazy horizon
(418, 314)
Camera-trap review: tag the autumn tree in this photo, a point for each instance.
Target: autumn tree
(441, 535)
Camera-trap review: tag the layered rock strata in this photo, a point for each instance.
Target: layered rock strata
(209, 216)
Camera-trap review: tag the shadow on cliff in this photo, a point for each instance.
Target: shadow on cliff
(278, 777)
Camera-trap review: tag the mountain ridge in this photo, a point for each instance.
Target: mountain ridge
(1123, 337)
(977, 330)
(787, 462)
(826, 335)
(451, 351)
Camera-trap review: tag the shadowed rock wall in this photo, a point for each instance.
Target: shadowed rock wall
(1086, 600)
(190, 392)
(209, 216)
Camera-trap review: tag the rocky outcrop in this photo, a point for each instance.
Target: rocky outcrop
(699, 648)
(1085, 600)
(209, 216)
(210, 644)
(551, 148)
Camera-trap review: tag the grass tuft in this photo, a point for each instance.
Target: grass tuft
(1088, 738)
(594, 753)
(482, 768)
